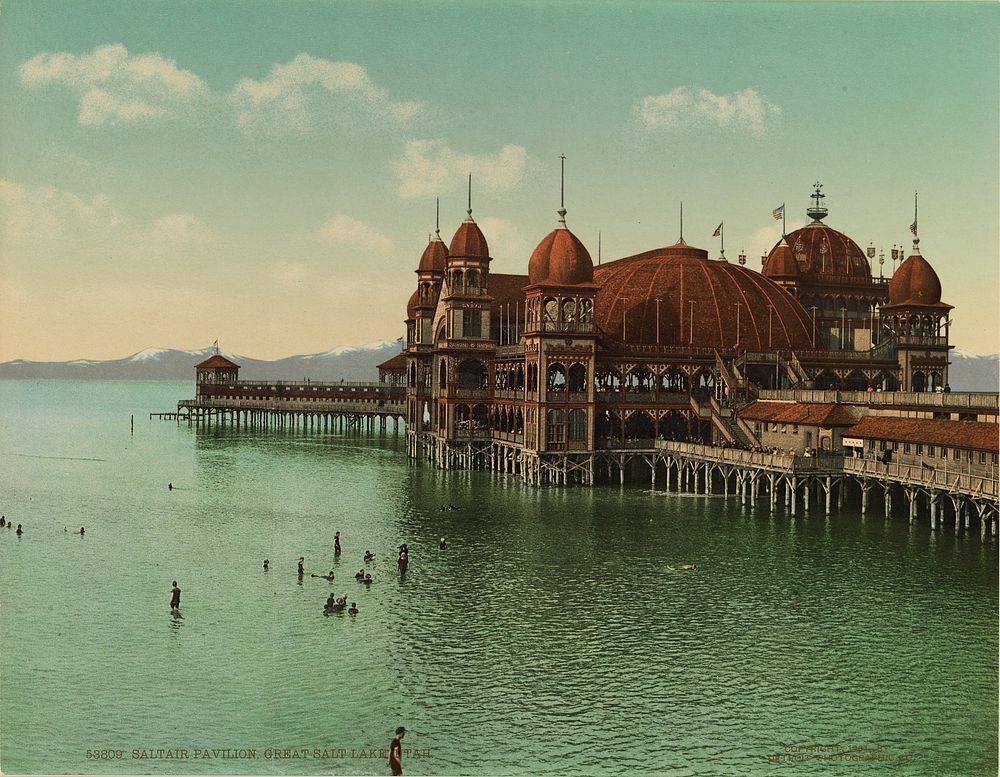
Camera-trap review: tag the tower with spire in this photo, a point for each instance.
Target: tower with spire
(560, 340)
(918, 320)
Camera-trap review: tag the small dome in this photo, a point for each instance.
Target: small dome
(560, 259)
(435, 256)
(468, 242)
(781, 262)
(822, 252)
(412, 305)
(915, 282)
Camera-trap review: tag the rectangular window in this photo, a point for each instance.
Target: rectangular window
(957, 454)
(944, 452)
(906, 447)
(930, 450)
(795, 429)
(471, 323)
(920, 450)
(881, 445)
(982, 457)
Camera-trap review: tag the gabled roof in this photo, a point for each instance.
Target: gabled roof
(807, 414)
(216, 361)
(966, 435)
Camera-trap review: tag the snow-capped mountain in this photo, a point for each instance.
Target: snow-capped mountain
(973, 372)
(349, 362)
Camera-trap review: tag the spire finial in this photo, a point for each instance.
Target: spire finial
(913, 227)
(680, 240)
(562, 190)
(817, 212)
(437, 218)
(469, 211)
(598, 247)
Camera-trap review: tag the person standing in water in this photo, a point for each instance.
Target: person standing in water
(396, 752)
(18, 532)
(302, 569)
(336, 544)
(81, 531)
(267, 565)
(170, 486)
(175, 597)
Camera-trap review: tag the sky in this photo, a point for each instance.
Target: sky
(264, 173)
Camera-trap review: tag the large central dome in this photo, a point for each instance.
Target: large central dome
(668, 287)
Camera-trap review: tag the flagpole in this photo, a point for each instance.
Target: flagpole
(783, 231)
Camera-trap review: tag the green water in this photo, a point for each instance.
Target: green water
(550, 637)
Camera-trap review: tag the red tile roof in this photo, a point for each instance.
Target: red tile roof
(806, 414)
(216, 361)
(396, 364)
(967, 435)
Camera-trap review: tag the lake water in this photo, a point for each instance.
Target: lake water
(550, 637)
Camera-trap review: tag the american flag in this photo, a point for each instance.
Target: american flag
(913, 227)
(779, 212)
(718, 230)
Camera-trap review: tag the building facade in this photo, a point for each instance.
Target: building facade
(546, 373)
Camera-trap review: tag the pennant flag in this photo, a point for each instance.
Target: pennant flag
(779, 213)
(718, 230)
(913, 227)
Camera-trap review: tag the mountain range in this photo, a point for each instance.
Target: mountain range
(969, 372)
(355, 362)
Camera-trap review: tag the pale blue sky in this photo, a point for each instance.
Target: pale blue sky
(265, 173)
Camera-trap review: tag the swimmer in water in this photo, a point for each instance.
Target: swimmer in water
(336, 544)
(81, 531)
(330, 603)
(325, 577)
(369, 556)
(685, 568)
(354, 609)
(175, 597)
(18, 532)
(3, 520)
(267, 565)
(301, 567)
(170, 486)
(360, 575)
(367, 579)
(442, 544)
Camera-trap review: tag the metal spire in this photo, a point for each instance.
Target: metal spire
(469, 211)
(913, 227)
(437, 217)
(598, 247)
(562, 190)
(680, 240)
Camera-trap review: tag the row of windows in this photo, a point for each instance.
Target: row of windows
(918, 449)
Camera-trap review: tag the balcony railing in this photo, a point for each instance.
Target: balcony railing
(944, 400)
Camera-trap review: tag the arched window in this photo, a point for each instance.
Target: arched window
(569, 315)
(577, 425)
(551, 314)
(577, 377)
(556, 378)
(442, 375)
(586, 313)
(556, 427)
(471, 375)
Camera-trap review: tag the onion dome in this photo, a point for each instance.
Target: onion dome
(561, 259)
(915, 282)
(655, 295)
(823, 252)
(781, 262)
(468, 242)
(412, 305)
(435, 256)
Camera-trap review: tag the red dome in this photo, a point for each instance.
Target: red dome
(820, 251)
(680, 275)
(435, 256)
(469, 241)
(781, 262)
(412, 305)
(560, 259)
(915, 283)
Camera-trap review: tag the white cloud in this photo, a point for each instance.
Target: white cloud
(507, 243)
(48, 214)
(293, 93)
(116, 87)
(686, 107)
(761, 241)
(341, 229)
(430, 167)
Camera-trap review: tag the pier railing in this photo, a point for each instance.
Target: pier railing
(950, 400)
(781, 462)
(297, 405)
(941, 479)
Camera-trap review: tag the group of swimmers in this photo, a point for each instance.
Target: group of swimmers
(10, 524)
